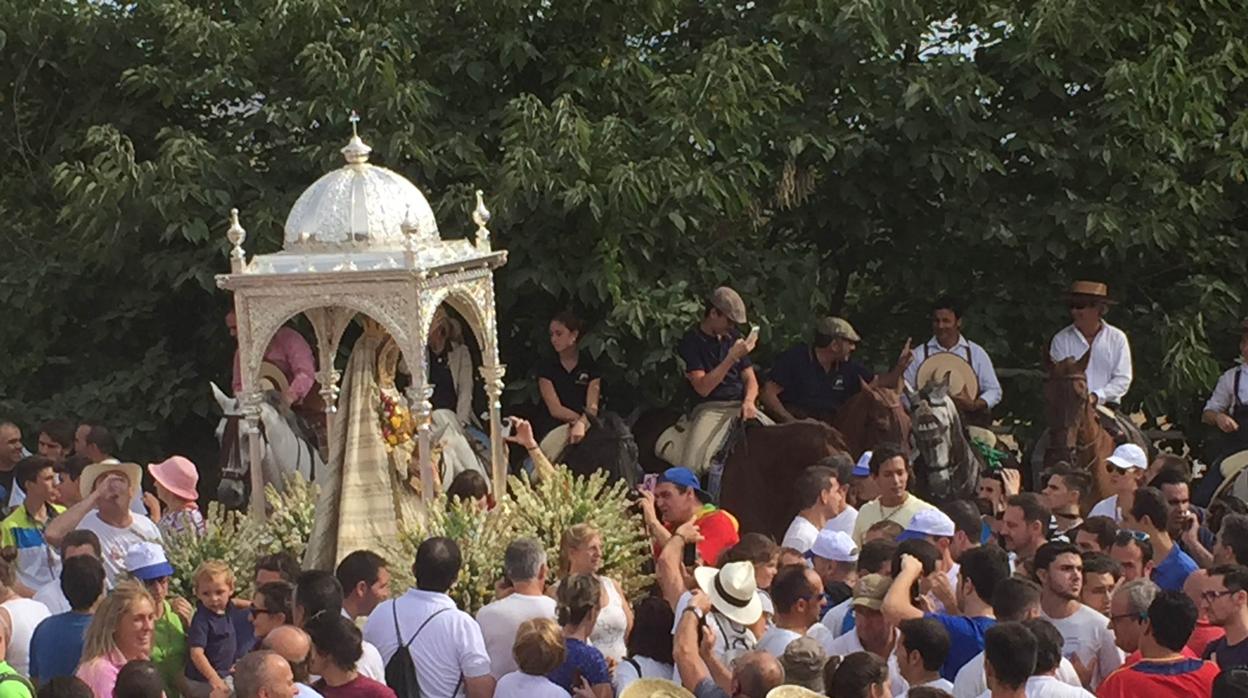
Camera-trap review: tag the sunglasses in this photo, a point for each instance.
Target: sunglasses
(1111, 469)
(1125, 536)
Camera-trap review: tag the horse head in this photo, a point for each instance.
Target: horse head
(233, 461)
(608, 445)
(1067, 402)
(886, 418)
(936, 429)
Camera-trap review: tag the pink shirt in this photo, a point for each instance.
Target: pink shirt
(290, 352)
(100, 674)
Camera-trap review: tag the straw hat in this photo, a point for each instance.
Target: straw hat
(788, 690)
(1234, 463)
(1089, 289)
(654, 688)
(961, 375)
(272, 378)
(94, 472)
(733, 591)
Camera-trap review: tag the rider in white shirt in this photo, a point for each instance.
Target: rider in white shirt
(947, 338)
(1109, 367)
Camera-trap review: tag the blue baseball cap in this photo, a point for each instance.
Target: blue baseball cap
(682, 477)
(863, 467)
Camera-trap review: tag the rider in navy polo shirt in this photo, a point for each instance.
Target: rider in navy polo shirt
(815, 380)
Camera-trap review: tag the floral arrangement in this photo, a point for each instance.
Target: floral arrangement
(539, 509)
(396, 421)
(238, 540)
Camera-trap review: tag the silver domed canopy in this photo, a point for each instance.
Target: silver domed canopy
(358, 206)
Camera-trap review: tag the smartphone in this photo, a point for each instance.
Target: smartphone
(508, 428)
(753, 334)
(690, 554)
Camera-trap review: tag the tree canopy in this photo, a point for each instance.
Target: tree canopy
(858, 157)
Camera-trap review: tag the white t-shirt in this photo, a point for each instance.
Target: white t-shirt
(626, 673)
(1086, 633)
(848, 644)
(499, 622)
(114, 542)
(518, 684)
(776, 640)
(971, 682)
(942, 684)
(801, 534)
(1107, 507)
(834, 619)
(1049, 687)
(50, 595)
(25, 614)
(370, 664)
(843, 522)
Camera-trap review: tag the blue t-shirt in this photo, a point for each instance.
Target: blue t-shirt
(1171, 572)
(702, 352)
(581, 661)
(56, 645)
(216, 635)
(966, 639)
(806, 385)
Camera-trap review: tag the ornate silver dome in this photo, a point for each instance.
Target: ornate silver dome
(358, 206)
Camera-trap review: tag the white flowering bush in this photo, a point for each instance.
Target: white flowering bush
(549, 506)
(230, 536)
(482, 536)
(238, 540)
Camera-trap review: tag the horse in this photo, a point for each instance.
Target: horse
(757, 484)
(284, 447)
(872, 416)
(1076, 435)
(609, 446)
(947, 466)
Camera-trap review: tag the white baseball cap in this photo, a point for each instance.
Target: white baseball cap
(928, 522)
(1128, 456)
(834, 545)
(863, 467)
(147, 561)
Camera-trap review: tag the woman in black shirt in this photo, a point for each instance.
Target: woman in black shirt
(570, 385)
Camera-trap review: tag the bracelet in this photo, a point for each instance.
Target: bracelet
(694, 611)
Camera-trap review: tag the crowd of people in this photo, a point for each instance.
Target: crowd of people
(872, 592)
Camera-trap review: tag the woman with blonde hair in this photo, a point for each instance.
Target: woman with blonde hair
(580, 552)
(121, 631)
(579, 600)
(538, 650)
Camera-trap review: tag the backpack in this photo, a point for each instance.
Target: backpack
(401, 670)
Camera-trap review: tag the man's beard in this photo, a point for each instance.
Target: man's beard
(1064, 594)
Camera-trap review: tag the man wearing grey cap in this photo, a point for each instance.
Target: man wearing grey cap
(718, 368)
(814, 380)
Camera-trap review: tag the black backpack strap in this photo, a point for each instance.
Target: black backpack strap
(398, 636)
(636, 666)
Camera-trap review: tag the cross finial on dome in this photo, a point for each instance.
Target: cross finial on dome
(356, 151)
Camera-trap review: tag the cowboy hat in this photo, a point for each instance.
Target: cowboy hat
(1090, 289)
(1234, 463)
(961, 375)
(96, 471)
(733, 591)
(654, 688)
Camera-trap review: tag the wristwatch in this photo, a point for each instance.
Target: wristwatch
(694, 611)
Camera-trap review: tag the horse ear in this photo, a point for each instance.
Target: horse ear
(912, 395)
(225, 401)
(1082, 363)
(940, 388)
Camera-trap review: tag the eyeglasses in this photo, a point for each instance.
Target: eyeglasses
(258, 611)
(1137, 617)
(1211, 596)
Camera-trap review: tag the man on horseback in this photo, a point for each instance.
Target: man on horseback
(1227, 408)
(292, 355)
(1109, 367)
(814, 381)
(947, 338)
(718, 368)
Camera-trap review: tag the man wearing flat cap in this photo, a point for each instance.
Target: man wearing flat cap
(718, 368)
(1109, 366)
(814, 380)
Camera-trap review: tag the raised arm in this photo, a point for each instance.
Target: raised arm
(897, 606)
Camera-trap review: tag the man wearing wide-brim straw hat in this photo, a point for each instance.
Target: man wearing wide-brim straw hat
(1109, 365)
(1227, 408)
(973, 386)
(725, 388)
(107, 488)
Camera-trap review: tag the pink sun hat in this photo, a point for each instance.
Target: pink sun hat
(178, 475)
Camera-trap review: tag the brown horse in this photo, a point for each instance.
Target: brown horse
(872, 416)
(1076, 435)
(757, 485)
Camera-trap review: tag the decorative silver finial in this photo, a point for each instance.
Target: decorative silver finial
(481, 216)
(356, 150)
(236, 235)
(409, 228)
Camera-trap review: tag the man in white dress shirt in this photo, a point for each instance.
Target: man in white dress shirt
(1109, 366)
(1227, 411)
(947, 338)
